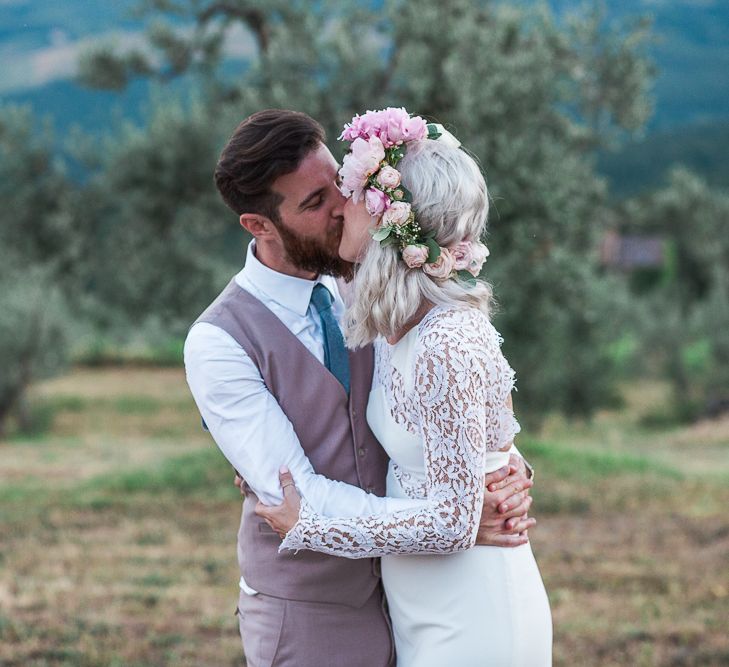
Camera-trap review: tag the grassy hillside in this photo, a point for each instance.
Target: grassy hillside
(643, 164)
(119, 529)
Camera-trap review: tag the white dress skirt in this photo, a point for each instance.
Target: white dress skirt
(440, 407)
(486, 606)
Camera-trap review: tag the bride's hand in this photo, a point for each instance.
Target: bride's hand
(283, 517)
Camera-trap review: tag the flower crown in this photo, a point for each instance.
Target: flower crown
(378, 142)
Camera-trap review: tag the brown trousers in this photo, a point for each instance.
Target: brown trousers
(286, 633)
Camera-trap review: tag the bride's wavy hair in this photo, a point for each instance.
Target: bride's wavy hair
(450, 199)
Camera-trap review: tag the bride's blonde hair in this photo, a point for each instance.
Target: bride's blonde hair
(450, 199)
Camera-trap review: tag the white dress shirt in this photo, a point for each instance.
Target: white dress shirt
(245, 419)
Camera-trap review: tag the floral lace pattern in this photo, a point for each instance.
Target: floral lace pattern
(402, 404)
(458, 404)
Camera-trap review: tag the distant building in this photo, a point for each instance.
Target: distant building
(630, 252)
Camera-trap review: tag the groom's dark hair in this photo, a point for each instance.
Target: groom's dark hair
(266, 145)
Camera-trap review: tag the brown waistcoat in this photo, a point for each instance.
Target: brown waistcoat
(333, 431)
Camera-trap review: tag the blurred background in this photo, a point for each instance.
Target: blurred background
(603, 129)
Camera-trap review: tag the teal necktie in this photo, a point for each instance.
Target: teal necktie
(336, 358)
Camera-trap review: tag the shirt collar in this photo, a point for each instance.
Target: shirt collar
(289, 291)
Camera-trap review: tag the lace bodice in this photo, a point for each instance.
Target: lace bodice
(452, 392)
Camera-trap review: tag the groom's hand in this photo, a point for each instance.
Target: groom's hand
(504, 519)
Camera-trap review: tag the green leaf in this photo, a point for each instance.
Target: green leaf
(466, 277)
(394, 154)
(381, 234)
(433, 132)
(390, 240)
(406, 194)
(433, 250)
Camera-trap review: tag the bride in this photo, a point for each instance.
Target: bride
(440, 404)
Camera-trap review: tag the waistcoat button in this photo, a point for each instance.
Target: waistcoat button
(361, 451)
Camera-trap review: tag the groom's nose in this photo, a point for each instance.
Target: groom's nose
(338, 208)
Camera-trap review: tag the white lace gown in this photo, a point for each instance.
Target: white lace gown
(439, 407)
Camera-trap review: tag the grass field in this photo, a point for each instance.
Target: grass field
(117, 533)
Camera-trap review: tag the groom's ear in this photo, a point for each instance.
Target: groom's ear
(258, 225)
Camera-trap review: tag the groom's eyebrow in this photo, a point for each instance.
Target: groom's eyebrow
(310, 197)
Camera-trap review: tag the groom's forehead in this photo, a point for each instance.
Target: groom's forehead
(316, 170)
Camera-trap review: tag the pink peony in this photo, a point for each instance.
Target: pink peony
(462, 255)
(415, 255)
(397, 214)
(362, 161)
(415, 129)
(388, 177)
(392, 126)
(442, 267)
(376, 201)
(479, 253)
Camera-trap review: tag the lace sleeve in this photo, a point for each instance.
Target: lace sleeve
(456, 394)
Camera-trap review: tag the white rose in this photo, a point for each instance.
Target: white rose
(397, 214)
(479, 253)
(388, 177)
(415, 255)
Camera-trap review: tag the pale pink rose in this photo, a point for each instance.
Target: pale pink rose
(462, 255)
(415, 255)
(388, 177)
(376, 201)
(397, 214)
(442, 267)
(479, 253)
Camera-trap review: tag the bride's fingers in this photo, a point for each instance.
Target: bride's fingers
(287, 485)
(522, 525)
(496, 479)
(267, 511)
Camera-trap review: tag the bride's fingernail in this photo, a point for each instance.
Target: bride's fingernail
(283, 470)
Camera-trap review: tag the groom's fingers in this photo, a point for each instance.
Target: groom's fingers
(504, 498)
(520, 510)
(522, 525)
(509, 540)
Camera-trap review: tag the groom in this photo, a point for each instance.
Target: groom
(274, 392)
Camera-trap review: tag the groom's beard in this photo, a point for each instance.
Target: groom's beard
(317, 256)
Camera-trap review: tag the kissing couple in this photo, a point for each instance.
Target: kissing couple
(351, 375)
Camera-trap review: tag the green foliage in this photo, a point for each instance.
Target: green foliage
(685, 321)
(161, 234)
(37, 247)
(33, 341)
(35, 226)
(530, 96)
